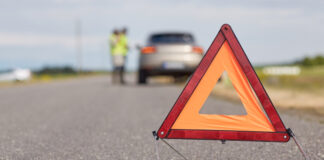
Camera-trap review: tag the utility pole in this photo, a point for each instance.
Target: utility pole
(78, 40)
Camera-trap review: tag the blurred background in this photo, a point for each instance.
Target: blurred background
(45, 40)
(58, 38)
(38, 33)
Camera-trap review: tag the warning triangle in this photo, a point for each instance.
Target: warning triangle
(224, 55)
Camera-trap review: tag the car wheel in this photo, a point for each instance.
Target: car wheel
(180, 79)
(142, 77)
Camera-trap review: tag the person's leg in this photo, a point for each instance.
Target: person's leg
(121, 75)
(122, 68)
(118, 62)
(118, 75)
(115, 75)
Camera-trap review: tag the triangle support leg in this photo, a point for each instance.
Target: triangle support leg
(156, 137)
(291, 134)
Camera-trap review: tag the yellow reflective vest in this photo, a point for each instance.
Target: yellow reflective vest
(118, 44)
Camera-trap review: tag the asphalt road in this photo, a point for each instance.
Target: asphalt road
(91, 119)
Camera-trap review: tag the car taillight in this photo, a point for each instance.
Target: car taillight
(148, 50)
(197, 50)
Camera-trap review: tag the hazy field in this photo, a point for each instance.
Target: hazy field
(310, 79)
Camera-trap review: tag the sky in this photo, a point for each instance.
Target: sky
(38, 33)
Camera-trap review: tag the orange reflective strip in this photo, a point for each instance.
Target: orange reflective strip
(255, 120)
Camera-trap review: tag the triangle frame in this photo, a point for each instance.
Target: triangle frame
(225, 34)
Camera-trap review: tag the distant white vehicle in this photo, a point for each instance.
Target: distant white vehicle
(282, 70)
(16, 75)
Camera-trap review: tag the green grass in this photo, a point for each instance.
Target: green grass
(317, 71)
(47, 77)
(310, 79)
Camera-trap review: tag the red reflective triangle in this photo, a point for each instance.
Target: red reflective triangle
(274, 129)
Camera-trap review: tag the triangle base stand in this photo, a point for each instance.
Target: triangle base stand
(292, 135)
(156, 138)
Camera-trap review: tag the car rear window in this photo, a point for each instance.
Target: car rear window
(171, 38)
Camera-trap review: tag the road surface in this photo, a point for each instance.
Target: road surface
(89, 118)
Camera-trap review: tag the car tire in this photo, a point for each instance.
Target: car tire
(180, 79)
(142, 77)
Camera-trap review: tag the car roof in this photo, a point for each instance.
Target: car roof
(170, 33)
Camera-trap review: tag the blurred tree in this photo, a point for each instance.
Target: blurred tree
(319, 60)
(307, 62)
(56, 70)
(312, 61)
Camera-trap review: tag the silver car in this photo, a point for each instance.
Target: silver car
(174, 54)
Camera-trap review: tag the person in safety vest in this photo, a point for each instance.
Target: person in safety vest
(118, 49)
(124, 43)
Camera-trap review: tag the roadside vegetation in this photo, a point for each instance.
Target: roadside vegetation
(49, 73)
(311, 77)
(52, 73)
